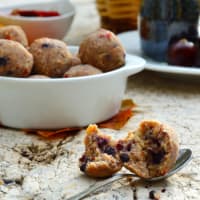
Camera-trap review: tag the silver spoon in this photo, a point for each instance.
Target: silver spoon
(184, 157)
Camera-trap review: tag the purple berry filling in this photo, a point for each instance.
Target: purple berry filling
(124, 157)
(101, 142)
(110, 151)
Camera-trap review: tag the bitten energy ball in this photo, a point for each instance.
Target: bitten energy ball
(81, 70)
(51, 57)
(99, 159)
(15, 33)
(15, 60)
(103, 50)
(150, 151)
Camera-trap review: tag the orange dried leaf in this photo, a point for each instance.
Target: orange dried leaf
(47, 134)
(127, 104)
(118, 121)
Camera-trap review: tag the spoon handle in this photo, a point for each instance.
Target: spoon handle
(98, 185)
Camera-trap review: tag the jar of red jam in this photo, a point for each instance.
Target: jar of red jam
(161, 22)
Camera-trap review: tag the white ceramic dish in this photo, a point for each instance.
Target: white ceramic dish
(36, 27)
(131, 43)
(64, 102)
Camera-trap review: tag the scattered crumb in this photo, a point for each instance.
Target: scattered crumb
(135, 194)
(163, 190)
(8, 181)
(147, 186)
(154, 195)
(129, 179)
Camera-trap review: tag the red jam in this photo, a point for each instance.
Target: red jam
(35, 13)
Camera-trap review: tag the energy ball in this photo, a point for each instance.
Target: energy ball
(15, 33)
(100, 157)
(15, 60)
(103, 50)
(75, 60)
(150, 151)
(81, 70)
(51, 57)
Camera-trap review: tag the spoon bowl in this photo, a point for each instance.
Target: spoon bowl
(185, 155)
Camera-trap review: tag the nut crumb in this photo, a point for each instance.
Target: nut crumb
(154, 195)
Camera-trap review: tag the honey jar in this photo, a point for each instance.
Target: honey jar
(118, 15)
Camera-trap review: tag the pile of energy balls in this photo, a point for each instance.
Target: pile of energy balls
(99, 52)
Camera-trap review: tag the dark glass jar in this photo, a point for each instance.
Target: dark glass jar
(163, 21)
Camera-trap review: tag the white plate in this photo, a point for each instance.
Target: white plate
(130, 41)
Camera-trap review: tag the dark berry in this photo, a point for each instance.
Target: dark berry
(101, 142)
(157, 157)
(83, 158)
(119, 146)
(45, 45)
(3, 61)
(124, 157)
(110, 150)
(83, 167)
(129, 146)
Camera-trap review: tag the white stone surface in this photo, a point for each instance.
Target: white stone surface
(39, 169)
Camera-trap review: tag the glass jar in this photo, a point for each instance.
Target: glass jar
(161, 22)
(118, 15)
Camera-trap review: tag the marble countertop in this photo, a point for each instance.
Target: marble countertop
(34, 168)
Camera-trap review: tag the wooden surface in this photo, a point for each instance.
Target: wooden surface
(37, 169)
